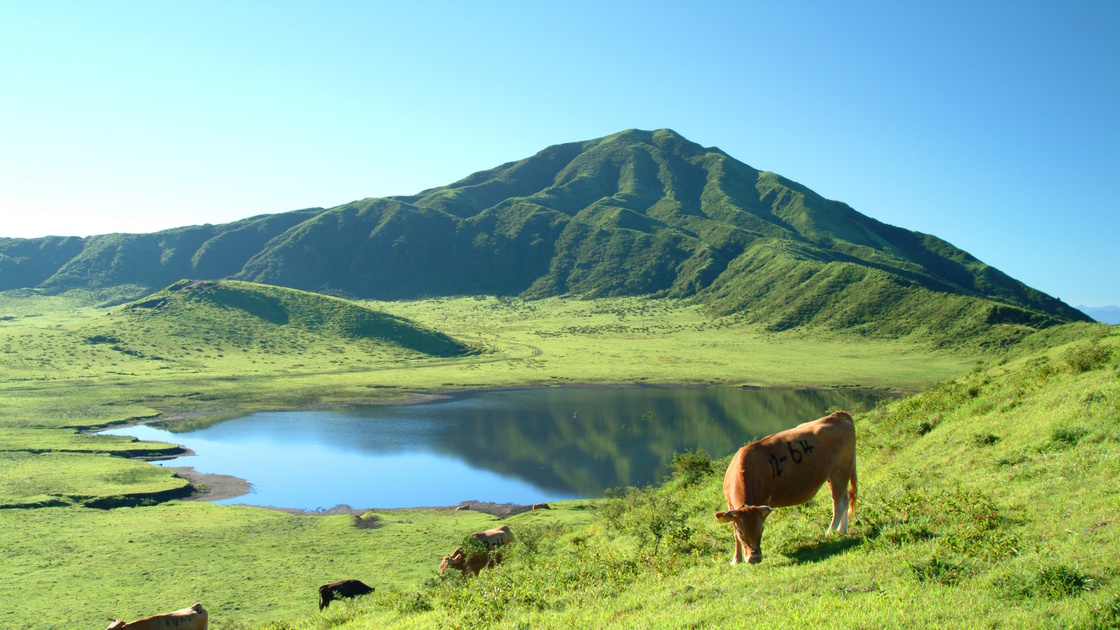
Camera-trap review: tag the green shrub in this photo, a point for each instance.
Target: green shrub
(1060, 581)
(1067, 436)
(656, 519)
(692, 466)
(1051, 582)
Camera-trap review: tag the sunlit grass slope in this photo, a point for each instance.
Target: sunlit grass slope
(68, 363)
(99, 480)
(74, 568)
(990, 500)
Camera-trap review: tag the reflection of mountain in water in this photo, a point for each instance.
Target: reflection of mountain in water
(571, 441)
(586, 440)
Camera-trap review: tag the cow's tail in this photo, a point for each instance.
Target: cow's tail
(852, 491)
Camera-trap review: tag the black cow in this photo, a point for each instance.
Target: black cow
(338, 590)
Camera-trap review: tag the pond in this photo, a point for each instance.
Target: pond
(507, 446)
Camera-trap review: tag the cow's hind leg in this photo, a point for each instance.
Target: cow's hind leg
(839, 492)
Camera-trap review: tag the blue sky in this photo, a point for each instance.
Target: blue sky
(993, 125)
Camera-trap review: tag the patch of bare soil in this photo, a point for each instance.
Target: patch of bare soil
(212, 487)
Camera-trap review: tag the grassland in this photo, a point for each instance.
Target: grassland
(71, 363)
(990, 500)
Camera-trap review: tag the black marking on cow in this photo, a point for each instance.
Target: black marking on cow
(796, 454)
(775, 465)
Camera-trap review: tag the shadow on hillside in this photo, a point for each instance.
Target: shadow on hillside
(823, 549)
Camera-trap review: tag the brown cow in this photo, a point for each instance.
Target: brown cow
(472, 565)
(492, 538)
(339, 590)
(788, 468)
(193, 618)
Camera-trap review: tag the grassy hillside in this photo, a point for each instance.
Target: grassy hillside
(635, 213)
(991, 500)
(241, 317)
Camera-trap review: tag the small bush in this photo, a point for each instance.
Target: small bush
(656, 519)
(1067, 436)
(1061, 581)
(413, 602)
(1051, 582)
(692, 466)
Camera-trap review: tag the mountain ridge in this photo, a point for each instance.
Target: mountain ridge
(633, 213)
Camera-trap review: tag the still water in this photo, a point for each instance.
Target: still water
(515, 446)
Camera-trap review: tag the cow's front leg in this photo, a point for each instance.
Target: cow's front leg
(737, 557)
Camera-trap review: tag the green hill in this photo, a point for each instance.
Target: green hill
(241, 318)
(635, 213)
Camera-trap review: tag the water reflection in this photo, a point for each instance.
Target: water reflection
(520, 446)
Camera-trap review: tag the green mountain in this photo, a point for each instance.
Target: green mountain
(635, 213)
(151, 261)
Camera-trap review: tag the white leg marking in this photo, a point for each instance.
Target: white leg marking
(835, 524)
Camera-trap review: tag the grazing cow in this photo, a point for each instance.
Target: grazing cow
(339, 590)
(193, 618)
(788, 468)
(472, 565)
(492, 538)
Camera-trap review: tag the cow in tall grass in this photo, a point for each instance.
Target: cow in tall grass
(340, 590)
(473, 561)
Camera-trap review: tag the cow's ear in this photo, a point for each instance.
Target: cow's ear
(766, 510)
(724, 517)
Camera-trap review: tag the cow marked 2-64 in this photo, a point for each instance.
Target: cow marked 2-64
(786, 469)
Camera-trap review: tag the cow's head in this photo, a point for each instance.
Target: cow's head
(457, 560)
(748, 521)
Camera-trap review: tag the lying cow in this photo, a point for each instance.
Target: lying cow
(472, 565)
(496, 537)
(788, 468)
(193, 618)
(340, 590)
